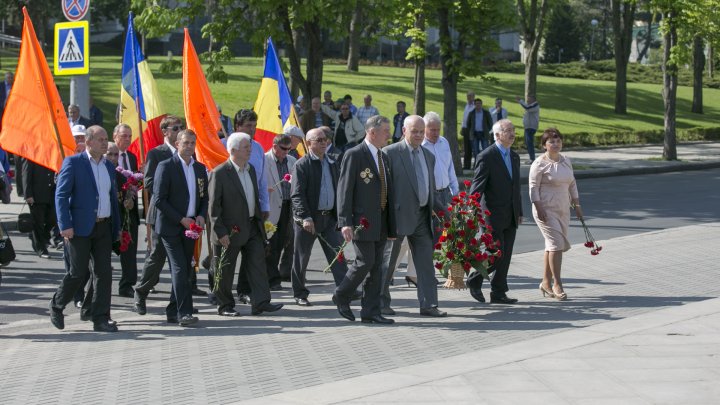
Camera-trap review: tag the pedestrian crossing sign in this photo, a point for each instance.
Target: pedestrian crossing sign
(72, 48)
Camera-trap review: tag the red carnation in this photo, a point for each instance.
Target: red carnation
(438, 266)
(123, 247)
(594, 252)
(11, 173)
(588, 244)
(475, 196)
(449, 236)
(235, 229)
(599, 248)
(450, 255)
(473, 242)
(462, 194)
(468, 254)
(440, 214)
(489, 228)
(467, 183)
(461, 233)
(364, 223)
(287, 177)
(195, 227)
(498, 253)
(446, 224)
(341, 257)
(460, 245)
(442, 238)
(479, 256)
(438, 246)
(487, 212)
(466, 266)
(491, 259)
(482, 221)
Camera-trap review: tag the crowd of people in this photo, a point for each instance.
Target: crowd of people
(362, 179)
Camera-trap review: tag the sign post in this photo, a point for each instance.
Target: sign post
(74, 11)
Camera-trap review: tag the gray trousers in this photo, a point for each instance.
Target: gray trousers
(325, 226)
(421, 249)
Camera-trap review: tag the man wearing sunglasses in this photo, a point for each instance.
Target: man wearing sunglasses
(278, 164)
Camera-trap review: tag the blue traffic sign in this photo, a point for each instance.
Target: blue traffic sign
(72, 48)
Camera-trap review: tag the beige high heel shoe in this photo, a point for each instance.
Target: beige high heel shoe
(546, 292)
(560, 297)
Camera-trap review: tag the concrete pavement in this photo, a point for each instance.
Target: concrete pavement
(642, 325)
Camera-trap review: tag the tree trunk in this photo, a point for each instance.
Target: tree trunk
(532, 22)
(314, 66)
(296, 76)
(646, 43)
(449, 84)
(623, 14)
(531, 66)
(419, 94)
(698, 67)
(295, 44)
(669, 89)
(354, 38)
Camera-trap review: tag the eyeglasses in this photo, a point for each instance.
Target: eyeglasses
(112, 154)
(176, 127)
(319, 140)
(285, 148)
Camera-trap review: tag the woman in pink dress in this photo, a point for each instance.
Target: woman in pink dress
(552, 190)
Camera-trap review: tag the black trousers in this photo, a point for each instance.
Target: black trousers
(468, 152)
(154, 263)
(253, 257)
(180, 251)
(128, 259)
(500, 268)
(368, 263)
(326, 227)
(43, 222)
(79, 251)
(279, 261)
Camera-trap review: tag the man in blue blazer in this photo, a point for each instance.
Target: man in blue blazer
(180, 196)
(89, 220)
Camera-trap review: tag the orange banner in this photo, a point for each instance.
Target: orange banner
(201, 111)
(34, 124)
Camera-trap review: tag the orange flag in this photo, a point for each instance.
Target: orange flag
(34, 124)
(201, 112)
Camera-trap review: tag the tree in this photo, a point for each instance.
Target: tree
(409, 21)
(354, 37)
(565, 36)
(623, 15)
(532, 23)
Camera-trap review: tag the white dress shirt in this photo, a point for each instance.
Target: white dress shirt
(191, 185)
(246, 182)
(374, 153)
(102, 181)
(444, 169)
(468, 108)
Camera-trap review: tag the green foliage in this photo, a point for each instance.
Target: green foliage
(564, 31)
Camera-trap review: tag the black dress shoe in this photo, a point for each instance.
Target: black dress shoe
(387, 311)
(276, 287)
(112, 322)
(477, 294)
(244, 299)
(212, 298)
(357, 295)
(129, 293)
(104, 327)
(140, 307)
(344, 309)
(44, 254)
(187, 320)
(172, 319)
(266, 307)
(377, 319)
(434, 311)
(229, 312)
(199, 292)
(57, 318)
(85, 317)
(502, 300)
(153, 291)
(195, 311)
(303, 302)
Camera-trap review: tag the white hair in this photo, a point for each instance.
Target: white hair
(235, 138)
(498, 126)
(432, 116)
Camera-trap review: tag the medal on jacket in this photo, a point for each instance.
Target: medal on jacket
(201, 186)
(366, 175)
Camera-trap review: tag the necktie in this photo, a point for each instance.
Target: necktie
(506, 158)
(383, 185)
(124, 165)
(499, 114)
(422, 186)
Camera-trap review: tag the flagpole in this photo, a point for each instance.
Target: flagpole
(44, 88)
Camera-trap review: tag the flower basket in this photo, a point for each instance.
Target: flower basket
(456, 277)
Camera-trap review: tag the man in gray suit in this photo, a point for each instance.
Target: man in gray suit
(237, 226)
(364, 197)
(412, 168)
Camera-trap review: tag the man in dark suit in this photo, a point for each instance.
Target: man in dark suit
(497, 178)
(237, 226)
(313, 197)
(180, 196)
(155, 259)
(478, 127)
(412, 168)
(75, 118)
(89, 220)
(364, 197)
(39, 188)
(122, 135)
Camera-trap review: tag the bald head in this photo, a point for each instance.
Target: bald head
(414, 130)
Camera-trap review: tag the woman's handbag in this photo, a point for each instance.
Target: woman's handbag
(5, 188)
(25, 221)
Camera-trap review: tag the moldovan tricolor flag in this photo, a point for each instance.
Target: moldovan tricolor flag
(34, 123)
(273, 98)
(201, 112)
(140, 99)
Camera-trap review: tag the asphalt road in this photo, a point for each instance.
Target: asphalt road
(614, 206)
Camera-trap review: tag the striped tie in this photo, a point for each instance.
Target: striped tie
(383, 185)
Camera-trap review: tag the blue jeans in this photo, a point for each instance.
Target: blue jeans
(530, 142)
(479, 143)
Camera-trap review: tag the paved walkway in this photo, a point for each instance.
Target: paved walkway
(642, 325)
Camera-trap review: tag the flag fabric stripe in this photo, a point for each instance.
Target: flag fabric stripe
(273, 96)
(201, 112)
(147, 111)
(34, 123)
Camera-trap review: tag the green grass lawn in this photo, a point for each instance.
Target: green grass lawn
(571, 105)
